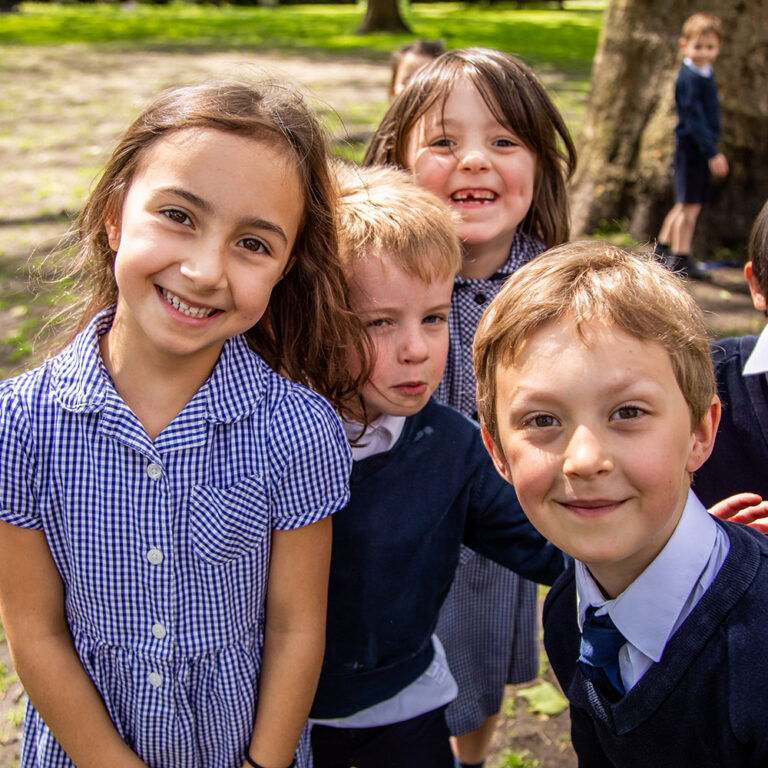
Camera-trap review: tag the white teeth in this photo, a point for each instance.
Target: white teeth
(185, 309)
(481, 195)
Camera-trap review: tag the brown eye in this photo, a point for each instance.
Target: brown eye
(177, 216)
(253, 244)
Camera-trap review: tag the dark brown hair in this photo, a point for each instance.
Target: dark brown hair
(517, 100)
(307, 329)
(758, 249)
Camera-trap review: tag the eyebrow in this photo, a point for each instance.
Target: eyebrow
(204, 205)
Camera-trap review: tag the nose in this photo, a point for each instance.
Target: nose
(474, 159)
(586, 456)
(413, 347)
(204, 266)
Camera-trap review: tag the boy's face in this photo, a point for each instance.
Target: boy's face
(407, 321)
(701, 49)
(595, 435)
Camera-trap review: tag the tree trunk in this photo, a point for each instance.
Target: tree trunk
(383, 16)
(627, 140)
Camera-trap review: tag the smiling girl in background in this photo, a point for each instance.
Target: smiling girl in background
(161, 484)
(477, 128)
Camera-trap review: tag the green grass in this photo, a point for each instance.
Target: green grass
(563, 41)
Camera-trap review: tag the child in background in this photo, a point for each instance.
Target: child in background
(597, 401)
(160, 482)
(421, 484)
(409, 59)
(477, 128)
(739, 459)
(696, 136)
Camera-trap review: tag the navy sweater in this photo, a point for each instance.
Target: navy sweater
(739, 460)
(698, 110)
(396, 548)
(705, 704)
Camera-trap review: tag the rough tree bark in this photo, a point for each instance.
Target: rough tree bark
(383, 16)
(627, 139)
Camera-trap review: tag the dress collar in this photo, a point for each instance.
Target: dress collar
(81, 383)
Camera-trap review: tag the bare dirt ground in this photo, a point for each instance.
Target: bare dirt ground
(60, 111)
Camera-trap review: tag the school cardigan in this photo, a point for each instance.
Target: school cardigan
(739, 460)
(698, 110)
(703, 705)
(396, 548)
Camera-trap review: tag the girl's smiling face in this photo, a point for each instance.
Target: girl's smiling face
(459, 151)
(205, 232)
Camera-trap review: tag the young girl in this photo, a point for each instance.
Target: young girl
(161, 484)
(477, 128)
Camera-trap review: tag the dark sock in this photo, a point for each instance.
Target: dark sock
(459, 764)
(662, 249)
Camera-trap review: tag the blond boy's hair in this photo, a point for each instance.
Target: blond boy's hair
(383, 213)
(593, 281)
(702, 24)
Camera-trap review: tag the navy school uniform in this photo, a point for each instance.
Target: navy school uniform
(739, 460)
(396, 548)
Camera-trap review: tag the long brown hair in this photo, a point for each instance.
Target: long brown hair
(516, 99)
(308, 330)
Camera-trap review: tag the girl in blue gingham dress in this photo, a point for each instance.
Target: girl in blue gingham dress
(478, 129)
(164, 493)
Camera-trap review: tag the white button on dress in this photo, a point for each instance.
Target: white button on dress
(155, 556)
(155, 471)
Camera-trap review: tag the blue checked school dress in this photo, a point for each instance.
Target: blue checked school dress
(488, 623)
(163, 546)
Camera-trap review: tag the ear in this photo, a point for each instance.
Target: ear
(758, 295)
(704, 436)
(112, 226)
(683, 42)
(497, 456)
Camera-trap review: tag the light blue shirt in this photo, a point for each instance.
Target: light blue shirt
(705, 71)
(436, 687)
(656, 603)
(757, 362)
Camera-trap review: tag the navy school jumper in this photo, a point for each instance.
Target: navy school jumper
(739, 460)
(705, 704)
(396, 548)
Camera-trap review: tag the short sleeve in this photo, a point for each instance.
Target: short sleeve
(18, 497)
(310, 477)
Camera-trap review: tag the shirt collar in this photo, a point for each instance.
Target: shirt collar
(81, 383)
(757, 362)
(705, 71)
(647, 610)
(381, 435)
(524, 248)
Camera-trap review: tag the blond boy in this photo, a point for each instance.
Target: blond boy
(696, 136)
(597, 400)
(422, 484)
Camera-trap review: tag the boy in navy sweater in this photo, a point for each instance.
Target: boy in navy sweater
(739, 460)
(597, 400)
(422, 484)
(696, 135)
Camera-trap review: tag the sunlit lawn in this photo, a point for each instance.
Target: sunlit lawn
(561, 40)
